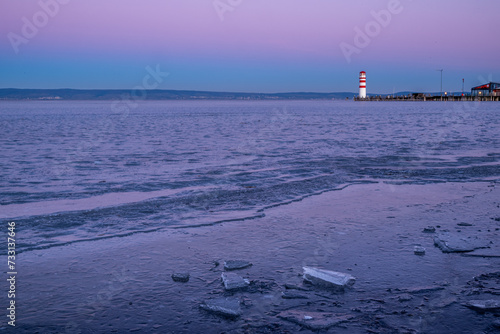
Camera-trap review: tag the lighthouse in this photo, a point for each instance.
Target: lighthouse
(362, 85)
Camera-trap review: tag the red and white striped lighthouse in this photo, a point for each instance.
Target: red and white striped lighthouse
(362, 85)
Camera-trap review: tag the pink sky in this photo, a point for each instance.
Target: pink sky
(260, 45)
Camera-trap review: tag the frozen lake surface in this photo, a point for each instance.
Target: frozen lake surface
(76, 171)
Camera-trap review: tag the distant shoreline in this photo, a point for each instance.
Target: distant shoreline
(15, 94)
(124, 95)
(10, 94)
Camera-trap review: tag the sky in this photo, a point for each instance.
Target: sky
(249, 45)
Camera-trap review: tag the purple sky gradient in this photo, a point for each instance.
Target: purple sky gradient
(260, 46)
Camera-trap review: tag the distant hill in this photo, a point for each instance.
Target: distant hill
(117, 94)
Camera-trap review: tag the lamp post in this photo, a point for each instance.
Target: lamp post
(441, 83)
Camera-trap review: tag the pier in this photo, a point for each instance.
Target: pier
(424, 97)
(489, 91)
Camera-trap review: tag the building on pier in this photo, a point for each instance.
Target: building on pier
(488, 89)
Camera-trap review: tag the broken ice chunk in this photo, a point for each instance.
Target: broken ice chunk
(327, 278)
(233, 281)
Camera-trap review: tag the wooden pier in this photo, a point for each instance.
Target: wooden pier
(424, 97)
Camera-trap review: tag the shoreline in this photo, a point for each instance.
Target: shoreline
(368, 231)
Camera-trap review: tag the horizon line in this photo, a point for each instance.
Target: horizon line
(228, 92)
